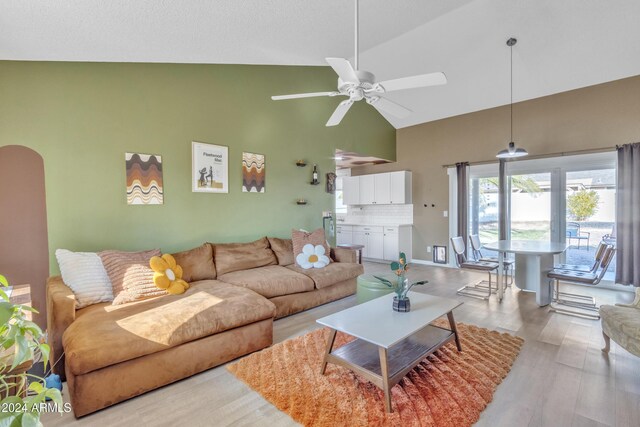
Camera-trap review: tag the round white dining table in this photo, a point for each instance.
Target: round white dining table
(534, 259)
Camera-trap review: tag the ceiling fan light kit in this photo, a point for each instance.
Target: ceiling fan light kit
(511, 151)
(359, 84)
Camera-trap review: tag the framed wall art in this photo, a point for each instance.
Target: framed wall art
(253, 173)
(144, 179)
(209, 168)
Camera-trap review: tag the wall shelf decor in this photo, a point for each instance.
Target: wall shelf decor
(314, 175)
(301, 163)
(301, 202)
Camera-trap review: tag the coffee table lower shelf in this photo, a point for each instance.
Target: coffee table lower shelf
(386, 367)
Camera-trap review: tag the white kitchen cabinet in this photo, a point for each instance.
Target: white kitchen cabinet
(367, 189)
(351, 190)
(391, 246)
(380, 242)
(344, 235)
(360, 238)
(375, 240)
(400, 187)
(382, 189)
(378, 189)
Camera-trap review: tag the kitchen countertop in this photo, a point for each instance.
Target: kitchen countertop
(373, 225)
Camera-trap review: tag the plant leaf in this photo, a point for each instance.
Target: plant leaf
(22, 352)
(30, 420)
(6, 311)
(46, 351)
(3, 281)
(27, 308)
(384, 281)
(4, 295)
(55, 395)
(36, 386)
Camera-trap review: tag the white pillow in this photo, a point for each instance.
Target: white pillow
(84, 273)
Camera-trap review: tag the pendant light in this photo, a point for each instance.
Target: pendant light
(511, 151)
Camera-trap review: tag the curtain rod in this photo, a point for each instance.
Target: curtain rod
(544, 156)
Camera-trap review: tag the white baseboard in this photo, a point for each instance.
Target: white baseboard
(431, 263)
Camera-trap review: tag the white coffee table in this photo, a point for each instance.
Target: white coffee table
(389, 344)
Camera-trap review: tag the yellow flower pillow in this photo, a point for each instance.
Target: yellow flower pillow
(168, 274)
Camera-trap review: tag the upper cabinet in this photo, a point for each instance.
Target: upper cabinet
(367, 190)
(351, 190)
(382, 188)
(378, 189)
(400, 183)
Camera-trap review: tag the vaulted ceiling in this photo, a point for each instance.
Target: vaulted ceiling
(562, 45)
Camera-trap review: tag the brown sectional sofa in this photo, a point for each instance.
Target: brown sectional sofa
(113, 353)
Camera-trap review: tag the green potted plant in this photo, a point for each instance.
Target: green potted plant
(22, 395)
(401, 285)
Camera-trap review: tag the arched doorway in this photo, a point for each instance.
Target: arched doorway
(24, 247)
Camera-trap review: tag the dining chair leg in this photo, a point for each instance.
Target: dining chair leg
(480, 290)
(584, 310)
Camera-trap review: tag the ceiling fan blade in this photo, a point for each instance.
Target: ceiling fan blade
(343, 68)
(303, 95)
(339, 112)
(383, 104)
(422, 80)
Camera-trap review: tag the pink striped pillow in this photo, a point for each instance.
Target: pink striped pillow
(130, 275)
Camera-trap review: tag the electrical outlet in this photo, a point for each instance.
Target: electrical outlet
(428, 249)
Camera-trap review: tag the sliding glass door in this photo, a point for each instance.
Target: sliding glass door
(590, 209)
(530, 200)
(564, 199)
(483, 207)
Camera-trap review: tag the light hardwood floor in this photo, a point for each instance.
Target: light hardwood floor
(561, 378)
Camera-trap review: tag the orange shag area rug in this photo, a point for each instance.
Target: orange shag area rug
(446, 389)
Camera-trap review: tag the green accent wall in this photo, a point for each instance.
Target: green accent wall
(83, 117)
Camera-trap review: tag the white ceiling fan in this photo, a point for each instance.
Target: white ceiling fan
(359, 84)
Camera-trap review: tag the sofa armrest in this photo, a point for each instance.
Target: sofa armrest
(344, 255)
(61, 312)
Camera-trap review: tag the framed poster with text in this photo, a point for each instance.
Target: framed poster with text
(209, 168)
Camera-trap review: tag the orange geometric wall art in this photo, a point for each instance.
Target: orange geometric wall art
(253, 173)
(144, 179)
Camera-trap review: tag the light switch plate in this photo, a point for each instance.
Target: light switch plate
(445, 214)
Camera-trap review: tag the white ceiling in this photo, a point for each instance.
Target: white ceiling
(562, 45)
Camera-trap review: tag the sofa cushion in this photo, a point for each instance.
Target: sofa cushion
(230, 257)
(130, 275)
(331, 274)
(103, 335)
(283, 248)
(271, 281)
(84, 273)
(316, 238)
(197, 263)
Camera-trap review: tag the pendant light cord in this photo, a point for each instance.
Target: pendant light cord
(511, 48)
(356, 37)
